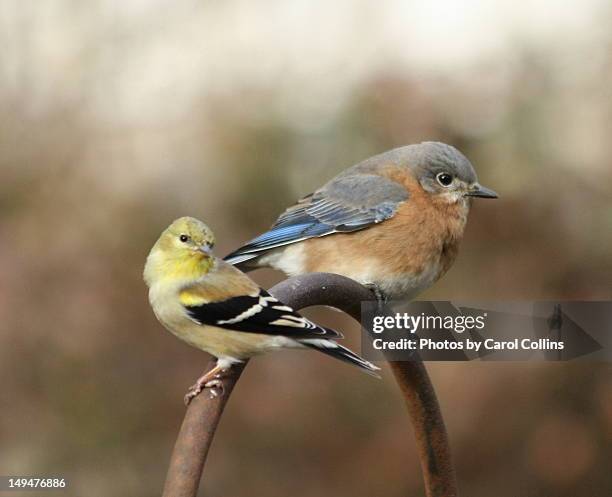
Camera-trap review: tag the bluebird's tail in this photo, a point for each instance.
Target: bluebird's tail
(337, 351)
(244, 262)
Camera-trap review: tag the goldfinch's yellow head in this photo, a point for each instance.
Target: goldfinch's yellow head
(183, 251)
(189, 236)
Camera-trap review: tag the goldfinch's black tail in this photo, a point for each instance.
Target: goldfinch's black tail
(333, 349)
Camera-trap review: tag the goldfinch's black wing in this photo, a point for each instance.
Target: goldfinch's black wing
(261, 313)
(347, 203)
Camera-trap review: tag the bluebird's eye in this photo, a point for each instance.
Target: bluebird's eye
(444, 179)
(184, 238)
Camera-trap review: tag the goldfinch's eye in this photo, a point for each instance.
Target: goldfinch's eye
(184, 238)
(444, 179)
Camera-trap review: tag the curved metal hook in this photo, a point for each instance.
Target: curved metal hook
(204, 412)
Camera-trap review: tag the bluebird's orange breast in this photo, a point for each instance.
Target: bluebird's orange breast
(403, 255)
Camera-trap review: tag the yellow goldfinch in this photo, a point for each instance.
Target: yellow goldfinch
(215, 307)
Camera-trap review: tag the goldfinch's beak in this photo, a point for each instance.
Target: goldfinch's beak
(205, 249)
(477, 190)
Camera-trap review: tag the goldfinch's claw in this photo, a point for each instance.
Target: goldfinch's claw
(211, 380)
(192, 393)
(215, 386)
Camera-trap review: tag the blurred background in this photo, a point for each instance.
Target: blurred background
(117, 117)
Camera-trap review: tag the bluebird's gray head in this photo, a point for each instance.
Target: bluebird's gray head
(442, 169)
(439, 168)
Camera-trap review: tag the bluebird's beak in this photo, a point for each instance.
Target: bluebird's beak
(477, 190)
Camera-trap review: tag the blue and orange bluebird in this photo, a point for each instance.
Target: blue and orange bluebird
(393, 221)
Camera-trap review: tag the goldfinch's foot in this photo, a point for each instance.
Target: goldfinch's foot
(192, 393)
(216, 387)
(210, 379)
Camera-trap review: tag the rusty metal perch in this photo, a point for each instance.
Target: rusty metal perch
(203, 414)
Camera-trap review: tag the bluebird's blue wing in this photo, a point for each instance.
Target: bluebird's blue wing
(347, 203)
